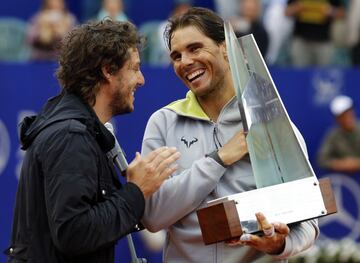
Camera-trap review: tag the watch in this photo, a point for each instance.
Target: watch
(215, 155)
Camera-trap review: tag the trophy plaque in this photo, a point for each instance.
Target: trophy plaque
(287, 188)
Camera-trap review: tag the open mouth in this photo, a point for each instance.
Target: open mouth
(133, 91)
(195, 75)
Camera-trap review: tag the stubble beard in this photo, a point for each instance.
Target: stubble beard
(119, 105)
(213, 90)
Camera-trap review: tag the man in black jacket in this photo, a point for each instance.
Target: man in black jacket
(70, 205)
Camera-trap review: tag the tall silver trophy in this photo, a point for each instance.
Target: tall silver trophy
(287, 188)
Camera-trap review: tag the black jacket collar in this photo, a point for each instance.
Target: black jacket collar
(62, 107)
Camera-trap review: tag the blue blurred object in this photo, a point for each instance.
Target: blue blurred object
(13, 46)
(139, 11)
(155, 52)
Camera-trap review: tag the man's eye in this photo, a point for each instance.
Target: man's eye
(194, 49)
(176, 57)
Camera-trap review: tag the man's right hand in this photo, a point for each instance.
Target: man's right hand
(149, 172)
(234, 150)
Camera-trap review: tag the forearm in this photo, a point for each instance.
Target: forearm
(349, 165)
(181, 194)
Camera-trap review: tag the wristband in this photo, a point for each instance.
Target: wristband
(215, 155)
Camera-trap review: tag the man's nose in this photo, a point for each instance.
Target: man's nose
(141, 80)
(187, 60)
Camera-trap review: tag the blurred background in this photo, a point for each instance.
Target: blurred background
(312, 49)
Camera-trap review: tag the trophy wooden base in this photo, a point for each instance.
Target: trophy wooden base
(220, 221)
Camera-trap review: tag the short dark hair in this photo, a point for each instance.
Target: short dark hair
(204, 19)
(88, 48)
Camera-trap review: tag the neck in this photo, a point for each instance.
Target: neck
(213, 103)
(101, 108)
(101, 114)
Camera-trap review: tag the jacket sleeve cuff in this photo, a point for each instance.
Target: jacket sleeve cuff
(135, 198)
(301, 237)
(287, 250)
(215, 155)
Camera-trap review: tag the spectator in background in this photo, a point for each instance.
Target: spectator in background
(353, 31)
(249, 21)
(226, 8)
(47, 28)
(340, 150)
(279, 28)
(311, 43)
(156, 52)
(113, 9)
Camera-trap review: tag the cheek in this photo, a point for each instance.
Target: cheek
(177, 70)
(220, 67)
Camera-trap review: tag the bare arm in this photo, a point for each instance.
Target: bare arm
(348, 165)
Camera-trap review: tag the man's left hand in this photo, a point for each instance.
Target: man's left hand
(271, 242)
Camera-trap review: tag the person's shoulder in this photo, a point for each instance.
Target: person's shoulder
(333, 132)
(63, 130)
(69, 125)
(162, 115)
(76, 126)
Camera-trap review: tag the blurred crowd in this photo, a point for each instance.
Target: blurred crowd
(296, 33)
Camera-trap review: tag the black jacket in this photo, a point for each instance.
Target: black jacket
(70, 205)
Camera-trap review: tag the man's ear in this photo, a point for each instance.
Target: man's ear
(106, 72)
(224, 50)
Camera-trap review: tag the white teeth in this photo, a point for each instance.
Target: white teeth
(195, 74)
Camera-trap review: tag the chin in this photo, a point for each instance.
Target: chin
(128, 110)
(200, 92)
(123, 111)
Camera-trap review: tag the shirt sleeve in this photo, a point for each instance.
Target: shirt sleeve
(325, 155)
(181, 193)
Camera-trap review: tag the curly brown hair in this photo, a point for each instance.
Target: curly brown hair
(90, 47)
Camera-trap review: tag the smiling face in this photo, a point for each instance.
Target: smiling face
(198, 61)
(113, 6)
(54, 5)
(347, 120)
(124, 83)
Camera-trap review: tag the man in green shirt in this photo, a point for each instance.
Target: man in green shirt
(340, 150)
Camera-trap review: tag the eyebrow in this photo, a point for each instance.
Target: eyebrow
(136, 64)
(193, 44)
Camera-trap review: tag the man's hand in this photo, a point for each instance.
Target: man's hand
(271, 242)
(234, 149)
(148, 173)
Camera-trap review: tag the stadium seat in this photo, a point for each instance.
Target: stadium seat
(13, 46)
(153, 53)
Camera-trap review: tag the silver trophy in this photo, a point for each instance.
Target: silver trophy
(287, 188)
